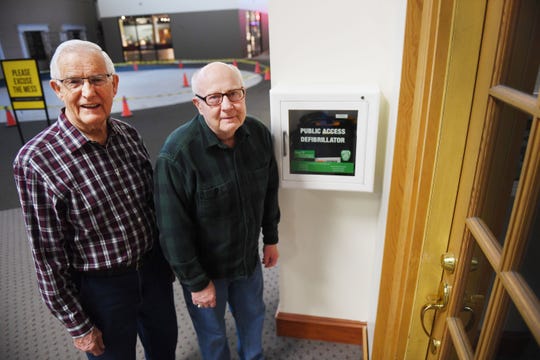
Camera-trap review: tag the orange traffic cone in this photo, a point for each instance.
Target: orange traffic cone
(267, 74)
(186, 83)
(10, 120)
(235, 63)
(257, 68)
(180, 64)
(125, 108)
(135, 66)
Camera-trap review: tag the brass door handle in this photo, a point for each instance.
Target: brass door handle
(425, 309)
(437, 306)
(444, 297)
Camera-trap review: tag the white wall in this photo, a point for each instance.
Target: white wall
(331, 242)
(112, 8)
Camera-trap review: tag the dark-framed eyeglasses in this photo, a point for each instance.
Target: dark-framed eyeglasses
(76, 83)
(216, 99)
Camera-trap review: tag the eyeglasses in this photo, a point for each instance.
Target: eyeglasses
(75, 83)
(217, 98)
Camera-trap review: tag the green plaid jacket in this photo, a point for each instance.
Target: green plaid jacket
(212, 201)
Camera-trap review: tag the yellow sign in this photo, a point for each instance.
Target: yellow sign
(23, 84)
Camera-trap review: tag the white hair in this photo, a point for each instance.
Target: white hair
(76, 45)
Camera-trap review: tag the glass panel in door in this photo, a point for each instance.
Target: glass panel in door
(501, 238)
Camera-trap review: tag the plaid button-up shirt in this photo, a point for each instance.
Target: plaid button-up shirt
(86, 207)
(213, 202)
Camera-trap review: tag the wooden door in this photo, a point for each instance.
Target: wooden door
(465, 168)
(492, 265)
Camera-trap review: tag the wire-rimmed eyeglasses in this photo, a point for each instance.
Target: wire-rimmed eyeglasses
(75, 83)
(216, 99)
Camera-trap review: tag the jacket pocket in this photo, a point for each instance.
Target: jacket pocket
(217, 201)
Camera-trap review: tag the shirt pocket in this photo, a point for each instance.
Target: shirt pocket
(217, 202)
(86, 210)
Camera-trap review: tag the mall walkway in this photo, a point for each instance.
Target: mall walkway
(28, 331)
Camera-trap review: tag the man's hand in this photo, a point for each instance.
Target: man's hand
(270, 255)
(91, 342)
(206, 297)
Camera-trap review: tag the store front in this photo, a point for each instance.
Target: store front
(253, 33)
(185, 35)
(146, 38)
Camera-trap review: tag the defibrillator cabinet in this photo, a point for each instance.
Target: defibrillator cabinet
(326, 136)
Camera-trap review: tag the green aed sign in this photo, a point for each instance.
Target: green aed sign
(323, 142)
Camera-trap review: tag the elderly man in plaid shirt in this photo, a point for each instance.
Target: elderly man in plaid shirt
(86, 191)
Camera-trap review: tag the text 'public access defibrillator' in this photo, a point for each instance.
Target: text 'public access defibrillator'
(326, 139)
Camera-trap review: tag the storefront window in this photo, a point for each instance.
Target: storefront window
(146, 38)
(253, 33)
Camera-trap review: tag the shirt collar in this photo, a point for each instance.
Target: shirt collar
(73, 137)
(210, 139)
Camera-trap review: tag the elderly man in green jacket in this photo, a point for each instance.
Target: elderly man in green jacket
(216, 186)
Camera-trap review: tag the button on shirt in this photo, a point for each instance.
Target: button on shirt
(86, 207)
(212, 201)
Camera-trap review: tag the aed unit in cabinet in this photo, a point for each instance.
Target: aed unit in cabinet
(326, 137)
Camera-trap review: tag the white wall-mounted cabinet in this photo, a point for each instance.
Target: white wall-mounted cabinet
(326, 136)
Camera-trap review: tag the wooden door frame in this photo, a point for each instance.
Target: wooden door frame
(412, 166)
(428, 85)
